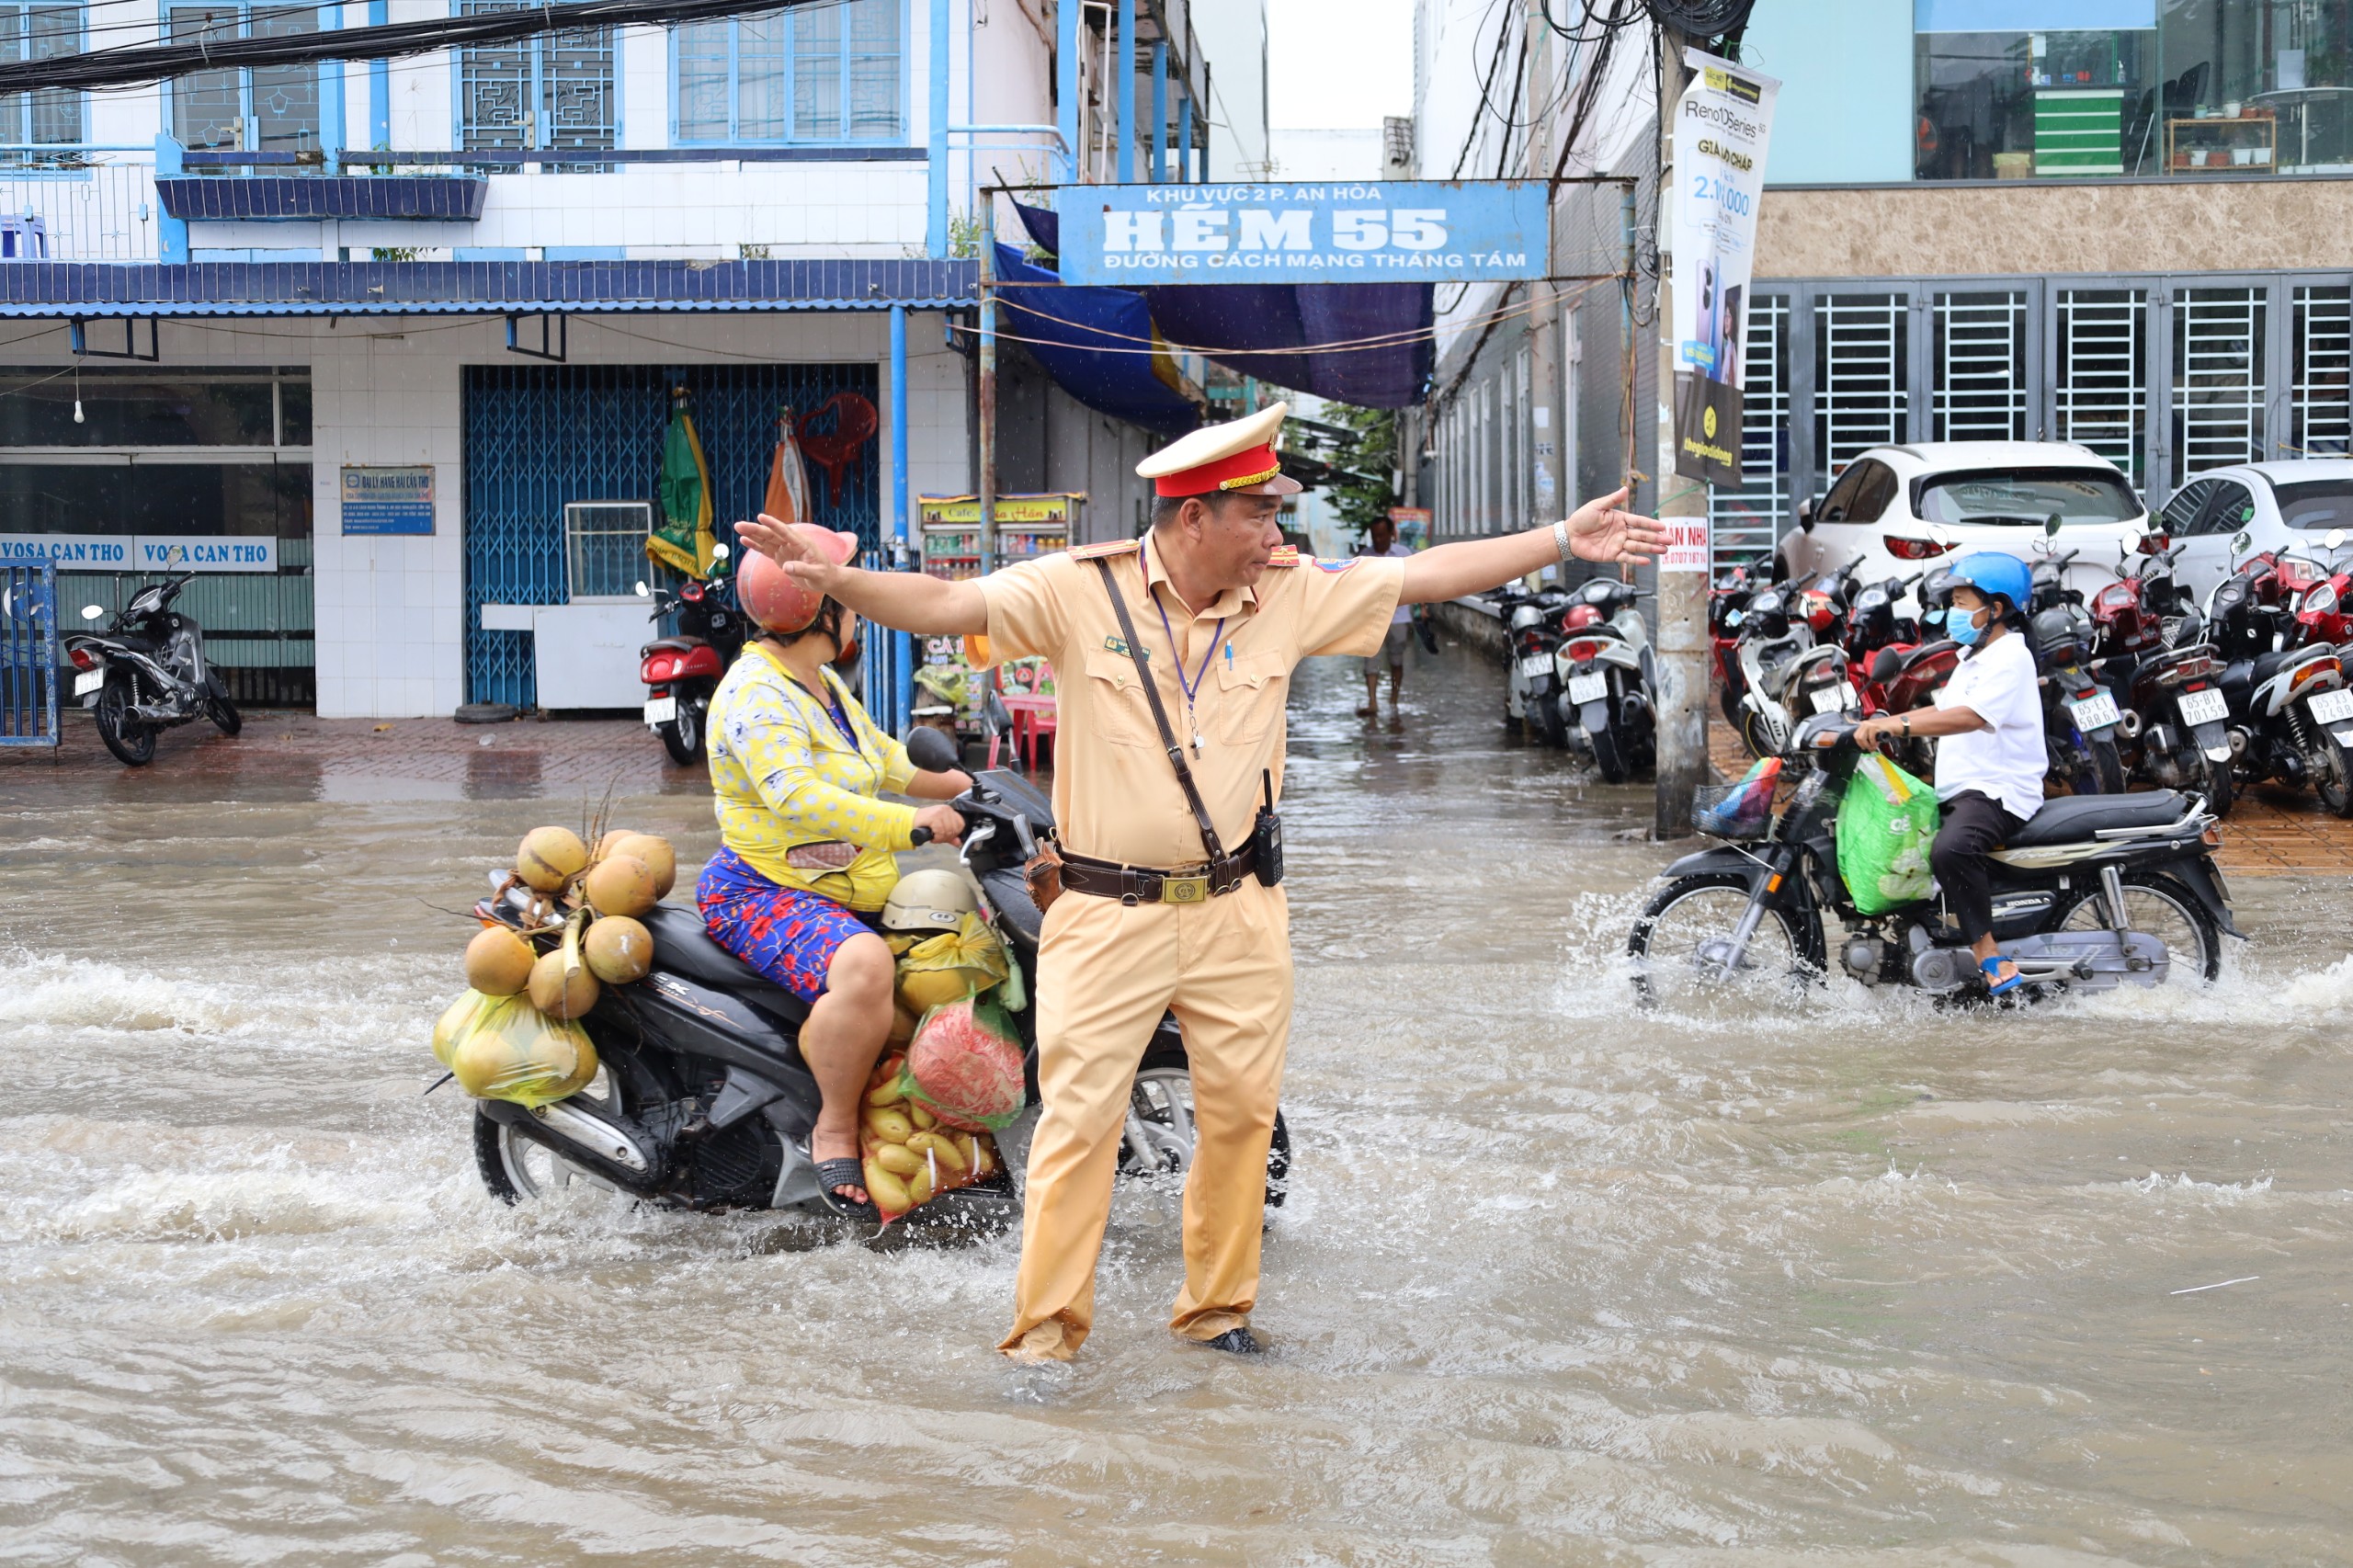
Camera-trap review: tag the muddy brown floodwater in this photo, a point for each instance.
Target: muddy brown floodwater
(1853, 1282)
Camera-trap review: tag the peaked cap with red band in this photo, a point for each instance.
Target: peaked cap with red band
(1236, 459)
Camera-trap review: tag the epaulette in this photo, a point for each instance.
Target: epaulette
(1108, 547)
(1284, 555)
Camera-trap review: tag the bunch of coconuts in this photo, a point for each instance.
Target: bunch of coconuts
(582, 929)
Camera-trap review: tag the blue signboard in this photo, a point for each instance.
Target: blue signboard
(1304, 232)
(388, 500)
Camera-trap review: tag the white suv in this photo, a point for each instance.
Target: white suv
(1904, 508)
(2225, 515)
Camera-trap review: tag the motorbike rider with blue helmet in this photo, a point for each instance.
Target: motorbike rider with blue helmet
(1991, 756)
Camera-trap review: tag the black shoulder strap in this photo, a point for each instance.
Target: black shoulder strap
(1160, 717)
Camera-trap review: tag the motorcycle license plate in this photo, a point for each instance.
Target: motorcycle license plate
(1588, 688)
(1536, 665)
(661, 710)
(2203, 708)
(1835, 699)
(2333, 707)
(88, 681)
(2096, 713)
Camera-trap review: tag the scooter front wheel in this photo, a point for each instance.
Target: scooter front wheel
(1682, 945)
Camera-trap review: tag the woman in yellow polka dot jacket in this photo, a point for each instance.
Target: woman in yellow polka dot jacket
(798, 766)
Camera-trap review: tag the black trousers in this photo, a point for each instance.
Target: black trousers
(1974, 826)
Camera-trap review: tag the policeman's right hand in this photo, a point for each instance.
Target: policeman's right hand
(945, 824)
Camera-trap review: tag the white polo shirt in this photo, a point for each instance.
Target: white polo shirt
(1995, 681)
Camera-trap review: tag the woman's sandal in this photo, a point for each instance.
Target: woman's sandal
(1993, 966)
(845, 1172)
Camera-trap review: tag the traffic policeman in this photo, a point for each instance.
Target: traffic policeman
(1168, 901)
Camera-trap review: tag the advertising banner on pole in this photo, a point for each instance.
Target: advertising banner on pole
(1721, 124)
(1306, 231)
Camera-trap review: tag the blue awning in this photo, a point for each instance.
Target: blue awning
(275, 198)
(1097, 344)
(97, 290)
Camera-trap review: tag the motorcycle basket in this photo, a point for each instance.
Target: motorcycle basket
(1741, 810)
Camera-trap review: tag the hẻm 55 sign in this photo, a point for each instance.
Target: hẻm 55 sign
(1304, 232)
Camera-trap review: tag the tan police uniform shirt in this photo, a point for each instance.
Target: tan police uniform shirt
(1116, 796)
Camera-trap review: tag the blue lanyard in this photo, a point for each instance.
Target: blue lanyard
(1193, 685)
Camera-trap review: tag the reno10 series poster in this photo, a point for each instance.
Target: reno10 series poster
(1720, 127)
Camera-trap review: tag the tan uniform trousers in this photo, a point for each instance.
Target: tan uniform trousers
(1106, 972)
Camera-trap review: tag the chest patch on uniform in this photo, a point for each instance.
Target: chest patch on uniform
(1118, 645)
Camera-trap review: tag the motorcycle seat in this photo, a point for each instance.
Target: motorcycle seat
(2078, 817)
(2268, 665)
(683, 946)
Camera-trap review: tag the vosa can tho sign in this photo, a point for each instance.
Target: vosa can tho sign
(1375, 231)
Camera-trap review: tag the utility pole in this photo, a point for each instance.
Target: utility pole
(1547, 438)
(1682, 594)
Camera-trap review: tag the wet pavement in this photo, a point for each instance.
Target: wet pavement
(1856, 1282)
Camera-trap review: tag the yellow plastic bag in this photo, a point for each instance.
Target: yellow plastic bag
(502, 1048)
(952, 966)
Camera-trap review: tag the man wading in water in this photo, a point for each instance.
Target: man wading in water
(1168, 898)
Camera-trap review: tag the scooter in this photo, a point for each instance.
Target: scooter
(2092, 892)
(703, 1100)
(2149, 650)
(2278, 692)
(1786, 674)
(1531, 683)
(681, 671)
(147, 672)
(2080, 718)
(1604, 670)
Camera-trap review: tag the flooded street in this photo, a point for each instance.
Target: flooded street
(1853, 1282)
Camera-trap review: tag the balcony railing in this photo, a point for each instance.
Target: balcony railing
(77, 204)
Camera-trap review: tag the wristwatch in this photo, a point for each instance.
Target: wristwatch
(1560, 539)
(1907, 726)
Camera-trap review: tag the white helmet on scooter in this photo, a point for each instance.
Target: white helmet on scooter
(927, 900)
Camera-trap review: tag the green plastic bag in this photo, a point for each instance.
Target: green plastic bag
(1887, 823)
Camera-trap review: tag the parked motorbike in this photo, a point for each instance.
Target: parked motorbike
(1531, 683)
(1789, 672)
(1607, 701)
(2285, 699)
(2080, 717)
(682, 671)
(2149, 650)
(147, 672)
(702, 1100)
(1728, 603)
(2092, 891)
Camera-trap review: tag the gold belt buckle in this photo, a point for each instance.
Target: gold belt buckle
(1185, 889)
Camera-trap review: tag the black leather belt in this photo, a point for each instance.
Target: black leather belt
(1142, 884)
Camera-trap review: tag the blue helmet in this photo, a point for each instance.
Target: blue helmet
(1996, 575)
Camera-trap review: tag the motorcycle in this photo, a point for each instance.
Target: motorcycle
(683, 670)
(2080, 718)
(147, 672)
(2285, 699)
(2149, 647)
(702, 1100)
(1727, 606)
(1605, 674)
(1788, 672)
(1531, 684)
(2092, 891)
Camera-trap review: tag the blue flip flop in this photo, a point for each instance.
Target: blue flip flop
(1989, 967)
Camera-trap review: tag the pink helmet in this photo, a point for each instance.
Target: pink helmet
(772, 595)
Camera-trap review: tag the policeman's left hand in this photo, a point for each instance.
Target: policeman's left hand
(1598, 531)
(776, 540)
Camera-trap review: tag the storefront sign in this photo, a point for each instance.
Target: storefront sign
(388, 500)
(1720, 128)
(148, 552)
(1379, 232)
(1009, 508)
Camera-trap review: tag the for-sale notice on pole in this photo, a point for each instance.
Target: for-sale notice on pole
(1721, 124)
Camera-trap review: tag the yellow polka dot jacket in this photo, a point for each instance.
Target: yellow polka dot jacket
(785, 774)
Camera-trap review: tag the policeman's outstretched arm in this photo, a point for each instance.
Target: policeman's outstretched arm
(903, 601)
(1598, 531)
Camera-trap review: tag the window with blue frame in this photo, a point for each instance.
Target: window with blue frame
(815, 74)
(272, 108)
(551, 90)
(47, 117)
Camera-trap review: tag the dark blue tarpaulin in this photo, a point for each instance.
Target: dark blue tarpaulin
(1092, 341)
(1259, 329)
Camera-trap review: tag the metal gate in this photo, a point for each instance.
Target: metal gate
(28, 651)
(538, 436)
(1745, 518)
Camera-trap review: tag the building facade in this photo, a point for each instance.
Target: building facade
(481, 279)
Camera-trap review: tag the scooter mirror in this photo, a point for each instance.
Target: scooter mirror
(2240, 544)
(92, 612)
(1806, 513)
(932, 751)
(718, 552)
(2051, 526)
(2334, 539)
(642, 591)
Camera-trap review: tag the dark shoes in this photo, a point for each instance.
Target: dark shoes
(1236, 1341)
